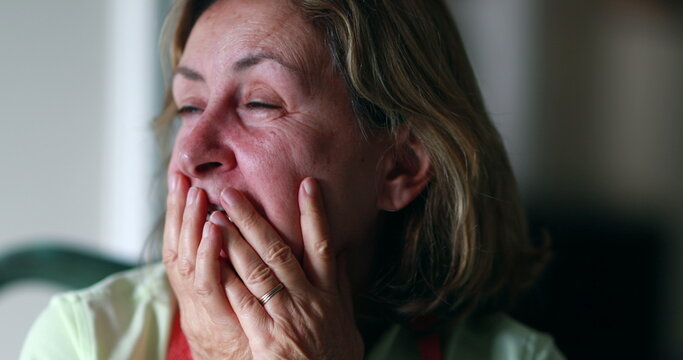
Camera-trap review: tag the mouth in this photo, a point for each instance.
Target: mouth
(213, 208)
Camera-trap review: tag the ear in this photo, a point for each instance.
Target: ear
(406, 171)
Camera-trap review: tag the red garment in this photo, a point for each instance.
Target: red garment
(430, 347)
(178, 348)
(428, 340)
(429, 344)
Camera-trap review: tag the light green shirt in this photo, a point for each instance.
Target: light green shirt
(129, 315)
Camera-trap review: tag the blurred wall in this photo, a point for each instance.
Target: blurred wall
(51, 96)
(501, 37)
(51, 135)
(79, 85)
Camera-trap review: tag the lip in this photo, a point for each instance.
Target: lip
(213, 207)
(213, 202)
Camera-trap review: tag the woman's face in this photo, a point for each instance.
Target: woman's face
(262, 108)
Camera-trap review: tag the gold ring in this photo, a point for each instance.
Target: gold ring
(265, 298)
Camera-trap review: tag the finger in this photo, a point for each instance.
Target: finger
(319, 262)
(258, 278)
(252, 316)
(190, 233)
(175, 205)
(261, 236)
(208, 285)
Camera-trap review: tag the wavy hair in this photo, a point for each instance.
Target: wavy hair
(462, 245)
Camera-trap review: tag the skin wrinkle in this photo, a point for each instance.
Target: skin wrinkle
(316, 135)
(267, 41)
(452, 125)
(312, 67)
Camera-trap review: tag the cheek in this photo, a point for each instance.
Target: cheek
(286, 153)
(345, 167)
(271, 168)
(274, 163)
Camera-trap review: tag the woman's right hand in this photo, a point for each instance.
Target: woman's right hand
(207, 319)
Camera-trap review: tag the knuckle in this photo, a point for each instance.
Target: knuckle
(250, 219)
(185, 267)
(169, 256)
(259, 275)
(247, 302)
(204, 253)
(203, 288)
(222, 321)
(322, 249)
(279, 254)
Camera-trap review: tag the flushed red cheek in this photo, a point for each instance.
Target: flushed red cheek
(272, 182)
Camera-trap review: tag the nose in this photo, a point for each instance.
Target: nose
(203, 151)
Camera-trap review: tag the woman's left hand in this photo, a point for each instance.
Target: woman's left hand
(312, 316)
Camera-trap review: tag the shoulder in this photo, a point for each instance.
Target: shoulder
(142, 285)
(106, 320)
(498, 336)
(490, 337)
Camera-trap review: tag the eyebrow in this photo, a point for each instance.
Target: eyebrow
(255, 59)
(188, 73)
(239, 66)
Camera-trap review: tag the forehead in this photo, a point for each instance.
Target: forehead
(236, 29)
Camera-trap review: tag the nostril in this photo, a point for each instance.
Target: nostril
(205, 167)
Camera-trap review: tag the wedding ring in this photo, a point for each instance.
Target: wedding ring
(265, 298)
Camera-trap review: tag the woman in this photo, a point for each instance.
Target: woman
(359, 201)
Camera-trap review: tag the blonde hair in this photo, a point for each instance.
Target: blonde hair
(463, 243)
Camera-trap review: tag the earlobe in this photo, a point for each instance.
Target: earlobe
(407, 170)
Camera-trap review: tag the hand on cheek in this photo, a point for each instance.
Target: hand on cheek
(312, 317)
(221, 300)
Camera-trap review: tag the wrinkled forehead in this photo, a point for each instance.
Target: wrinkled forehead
(233, 29)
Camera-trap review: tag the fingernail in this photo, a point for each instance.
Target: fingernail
(205, 232)
(308, 186)
(230, 197)
(192, 195)
(218, 218)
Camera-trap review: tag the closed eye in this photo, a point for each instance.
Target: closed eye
(188, 109)
(261, 105)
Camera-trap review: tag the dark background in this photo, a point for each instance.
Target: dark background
(588, 96)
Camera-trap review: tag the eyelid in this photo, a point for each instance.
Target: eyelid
(188, 109)
(262, 104)
(187, 100)
(260, 94)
